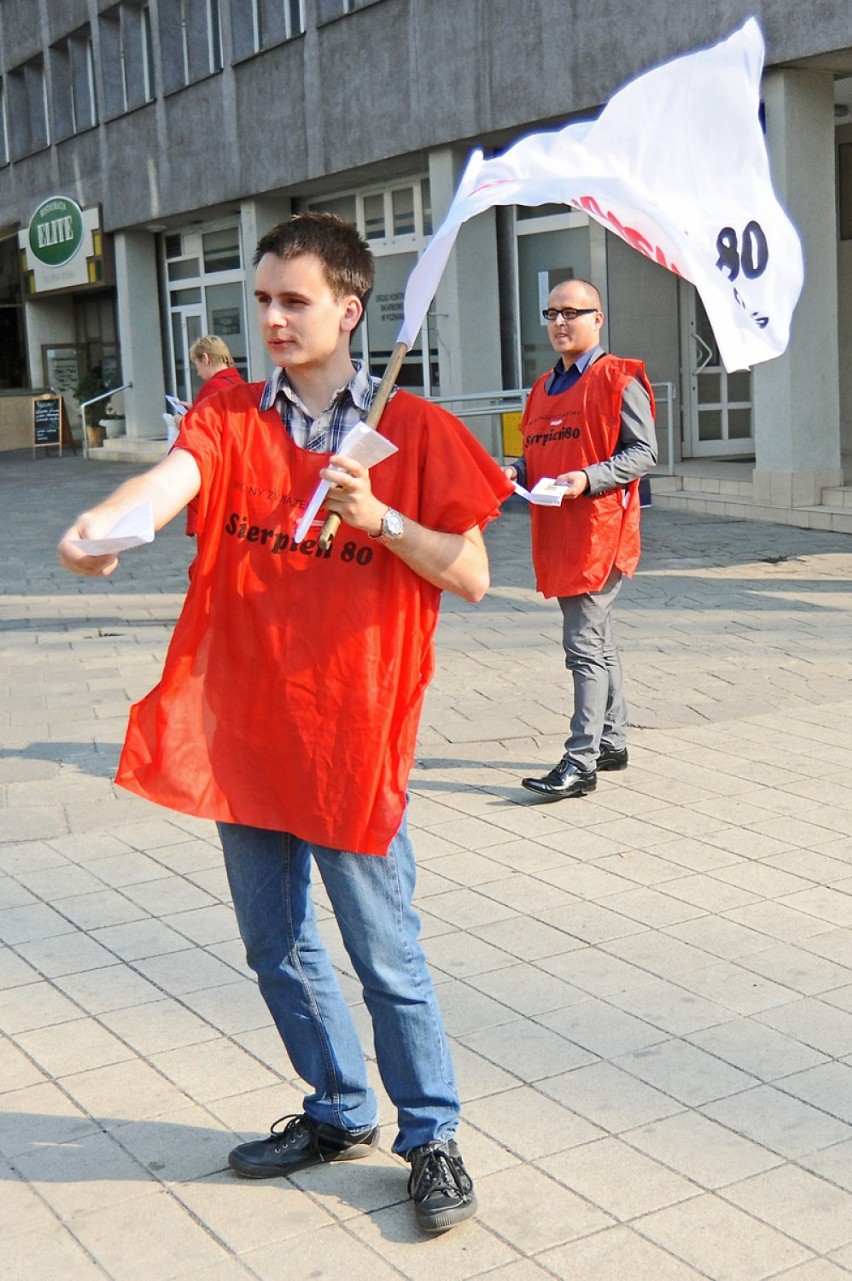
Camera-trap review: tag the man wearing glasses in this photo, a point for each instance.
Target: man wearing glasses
(589, 423)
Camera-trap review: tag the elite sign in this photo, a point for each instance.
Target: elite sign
(62, 247)
(56, 231)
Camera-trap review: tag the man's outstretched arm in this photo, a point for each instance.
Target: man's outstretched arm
(168, 487)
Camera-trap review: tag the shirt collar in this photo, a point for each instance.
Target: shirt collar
(361, 389)
(581, 363)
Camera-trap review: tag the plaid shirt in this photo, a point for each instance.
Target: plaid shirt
(324, 433)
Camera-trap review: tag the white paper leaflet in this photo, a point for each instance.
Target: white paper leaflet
(364, 446)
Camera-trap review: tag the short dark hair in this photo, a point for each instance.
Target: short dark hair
(346, 258)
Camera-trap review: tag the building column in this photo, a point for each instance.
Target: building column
(257, 216)
(467, 302)
(796, 396)
(139, 330)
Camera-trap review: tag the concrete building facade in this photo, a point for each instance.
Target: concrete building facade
(182, 129)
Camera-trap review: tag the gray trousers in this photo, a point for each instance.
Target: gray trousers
(600, 709)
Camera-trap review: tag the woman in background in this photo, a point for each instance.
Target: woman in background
(214, 365)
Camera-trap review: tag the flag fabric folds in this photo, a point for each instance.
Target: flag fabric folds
(676, 164)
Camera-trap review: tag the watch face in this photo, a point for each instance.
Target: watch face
(392, 525)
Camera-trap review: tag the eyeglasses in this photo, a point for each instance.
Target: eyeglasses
(567, 313)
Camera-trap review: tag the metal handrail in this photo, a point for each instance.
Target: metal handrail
(93, 400)
(513, 393)
(515, 396)
(668, 399)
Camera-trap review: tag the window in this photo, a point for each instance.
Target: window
(206, 295)
(221, 250)
(95, 330)
(396, 221)
(328, 10)
(4, 127)
(13, 346)
(393, 216)
(73, 79)
(260, 24)
(27, 109)
(127, 57)
(374, 217)
(844, 187)
(402, 210)
(549, 248)
(191, 41)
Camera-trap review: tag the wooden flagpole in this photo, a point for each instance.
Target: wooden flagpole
(374, 414)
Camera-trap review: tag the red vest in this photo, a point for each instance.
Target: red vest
(576, 546)
(221, 379)
(293, 684)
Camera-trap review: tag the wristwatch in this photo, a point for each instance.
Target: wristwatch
(393, 526)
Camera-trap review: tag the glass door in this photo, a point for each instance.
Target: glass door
(550, 248)
(206, 295)
(718, 405)
(187, 328)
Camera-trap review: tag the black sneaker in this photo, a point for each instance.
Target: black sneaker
(301, 1143)
(440, 1186)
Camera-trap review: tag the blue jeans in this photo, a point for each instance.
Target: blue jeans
(270, 878)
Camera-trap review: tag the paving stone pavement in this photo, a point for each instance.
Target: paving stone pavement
(649, 990)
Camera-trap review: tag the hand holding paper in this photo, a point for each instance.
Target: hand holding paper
(546, 492)
(362, 445)
(133, 529)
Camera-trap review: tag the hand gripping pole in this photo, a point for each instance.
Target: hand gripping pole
(374, 414)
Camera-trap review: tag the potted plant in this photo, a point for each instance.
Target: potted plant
(113, 424)
(92, 384)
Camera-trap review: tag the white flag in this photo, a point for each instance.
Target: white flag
(676, 165)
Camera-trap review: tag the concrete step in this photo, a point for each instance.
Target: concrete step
(708, 502)
(130, 449)
(837, 496)
(722, 488)
(836, 519)
(711, 485)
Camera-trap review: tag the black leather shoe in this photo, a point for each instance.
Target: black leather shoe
(611, 758)
(440, 1186)
(301, 1143)
(565, 779)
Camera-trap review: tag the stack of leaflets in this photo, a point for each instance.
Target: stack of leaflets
(546, 492)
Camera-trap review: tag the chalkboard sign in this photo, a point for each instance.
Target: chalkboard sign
(50, 424)
(47, 420)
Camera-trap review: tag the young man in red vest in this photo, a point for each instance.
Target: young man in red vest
(589, 423)
(292, 689)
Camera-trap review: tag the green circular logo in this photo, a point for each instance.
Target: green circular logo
(56, 231)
